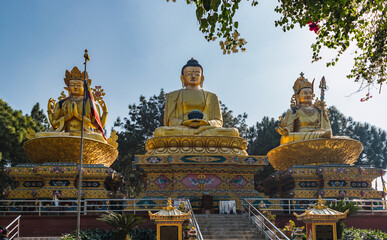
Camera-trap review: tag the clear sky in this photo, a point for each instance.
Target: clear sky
(139, 46)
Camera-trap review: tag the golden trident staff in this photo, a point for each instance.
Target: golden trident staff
(87, 58)
(323, 87)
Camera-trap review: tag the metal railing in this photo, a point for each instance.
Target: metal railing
(290, 205)
(266, 227)
(97, 206)
(14, 231)
(88, 206)
(193, 218)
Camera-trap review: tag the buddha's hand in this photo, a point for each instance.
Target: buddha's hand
(282, 131)
(74, 109)
(195, 123)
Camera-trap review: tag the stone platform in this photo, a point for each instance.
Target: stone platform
(327, 181)
(224, 177)
(45, 180)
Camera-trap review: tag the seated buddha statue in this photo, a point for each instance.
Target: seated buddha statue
(192, 110)
(304, 120)
(66, 115)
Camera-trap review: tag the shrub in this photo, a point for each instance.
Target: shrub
(90, 234)
(363, 234)
(143, 234)
(100, 234)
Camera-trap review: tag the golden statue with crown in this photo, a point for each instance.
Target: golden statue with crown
(55, 154)
(66, 115)
(307, 134)
(61, 142)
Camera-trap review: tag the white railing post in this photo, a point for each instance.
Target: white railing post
(289, 206)
(40, 208)
(134, 206)
(85, 208)
(18, 227)
(249, 212)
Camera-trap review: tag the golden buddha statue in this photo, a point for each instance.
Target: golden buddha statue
(307, 135)
(304, 120)
(66, 115)
(191, 110)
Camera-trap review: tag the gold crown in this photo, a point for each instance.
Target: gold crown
(75, 74)
(301, 83)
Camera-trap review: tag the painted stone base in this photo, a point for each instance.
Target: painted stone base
(224, 177)
(328, 181)
(47, 180)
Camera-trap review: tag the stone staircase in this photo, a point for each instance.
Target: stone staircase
(227, 227)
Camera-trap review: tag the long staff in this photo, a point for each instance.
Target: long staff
(323, 87)
(87, 58)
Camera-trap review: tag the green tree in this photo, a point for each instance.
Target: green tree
(133, 131)
(231, 121)
(262, 137)
(13, 130)
(337, 24)
(374, 139)
(40, 117)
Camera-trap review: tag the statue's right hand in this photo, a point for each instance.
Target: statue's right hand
(282, 131)
(51, 105)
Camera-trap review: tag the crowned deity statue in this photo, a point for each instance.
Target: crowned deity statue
(304, 120)
(66, 114)
(192, 110)
(307, 134)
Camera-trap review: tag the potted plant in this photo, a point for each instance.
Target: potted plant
(289, 228)
(123, 223)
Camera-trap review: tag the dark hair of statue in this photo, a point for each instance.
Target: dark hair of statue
(191, 63)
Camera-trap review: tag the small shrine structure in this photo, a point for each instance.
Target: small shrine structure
(169, 222)
(321, 221)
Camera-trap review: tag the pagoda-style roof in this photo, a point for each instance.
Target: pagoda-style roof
(169, 213)
(320, 212)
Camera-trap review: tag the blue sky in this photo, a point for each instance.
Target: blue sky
(139, 46)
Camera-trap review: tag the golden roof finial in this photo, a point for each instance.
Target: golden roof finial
(169, 205)
(320, 203)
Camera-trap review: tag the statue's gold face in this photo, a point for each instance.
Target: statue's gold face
(305, 96)
(76, 87)
(192, 76)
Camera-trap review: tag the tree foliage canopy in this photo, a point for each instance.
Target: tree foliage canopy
(338, 24)
(13, 130)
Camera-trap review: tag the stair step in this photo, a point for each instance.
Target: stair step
(227, 227)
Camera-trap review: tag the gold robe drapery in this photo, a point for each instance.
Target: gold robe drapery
(181, 102)
(303, 126)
